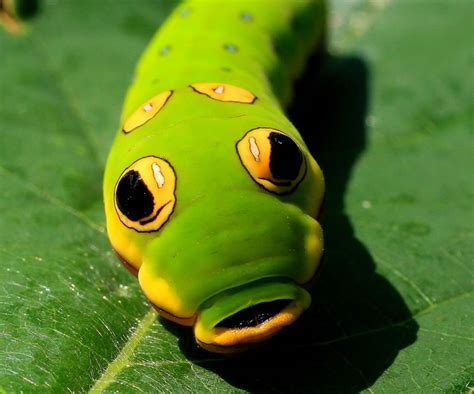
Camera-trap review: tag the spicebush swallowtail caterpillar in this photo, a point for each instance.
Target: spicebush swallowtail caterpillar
(211, 195)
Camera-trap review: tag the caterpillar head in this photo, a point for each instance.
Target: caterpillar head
(220, 229)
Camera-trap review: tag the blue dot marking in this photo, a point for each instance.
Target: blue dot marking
(165, 50)
(246, 16)
(232, 48)
(185, 12)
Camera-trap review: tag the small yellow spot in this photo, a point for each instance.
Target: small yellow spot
(224, 92)
(147, 111)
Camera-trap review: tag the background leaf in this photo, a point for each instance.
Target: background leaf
(388, 115)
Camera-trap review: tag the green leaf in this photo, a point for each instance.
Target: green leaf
(388, 115)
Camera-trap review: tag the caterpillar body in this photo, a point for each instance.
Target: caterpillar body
(211, 195)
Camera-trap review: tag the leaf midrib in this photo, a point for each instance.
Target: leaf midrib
(123, 358)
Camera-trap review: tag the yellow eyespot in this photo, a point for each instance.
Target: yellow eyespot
(224, 92)
(145, 194)
(147, 111)
(272, 159)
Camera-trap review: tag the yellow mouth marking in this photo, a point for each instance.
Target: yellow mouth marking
(226, 337)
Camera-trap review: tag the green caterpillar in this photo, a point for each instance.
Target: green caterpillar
(210, 192)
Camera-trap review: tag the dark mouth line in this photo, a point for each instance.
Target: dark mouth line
(284, 183)
(143, 222)
(224, 350)
(254, 315)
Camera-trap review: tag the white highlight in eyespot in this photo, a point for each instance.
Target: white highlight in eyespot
(159, 178)
(254, 149)
(148, 107)
(219, 89)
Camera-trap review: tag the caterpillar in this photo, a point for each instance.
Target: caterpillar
(211, 195)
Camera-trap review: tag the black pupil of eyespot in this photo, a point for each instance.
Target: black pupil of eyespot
(133, 197)
(285, 157)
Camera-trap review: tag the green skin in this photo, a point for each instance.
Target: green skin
(228, 243)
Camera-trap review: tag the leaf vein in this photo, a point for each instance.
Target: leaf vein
(52, 200)
(124, 356)
(445, 334)
(407, 280)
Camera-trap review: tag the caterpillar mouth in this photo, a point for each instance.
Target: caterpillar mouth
(242, 328)
(254, 315)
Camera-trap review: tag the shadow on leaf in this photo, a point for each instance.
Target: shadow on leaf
(359, 322)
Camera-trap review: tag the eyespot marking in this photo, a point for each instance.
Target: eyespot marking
(224, 92)
(146, 221)
(145, 194)
(147, 111)
(272, 159)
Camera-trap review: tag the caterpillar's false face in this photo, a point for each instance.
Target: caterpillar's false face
(145, 194)
(272, 159)
(221, 234)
